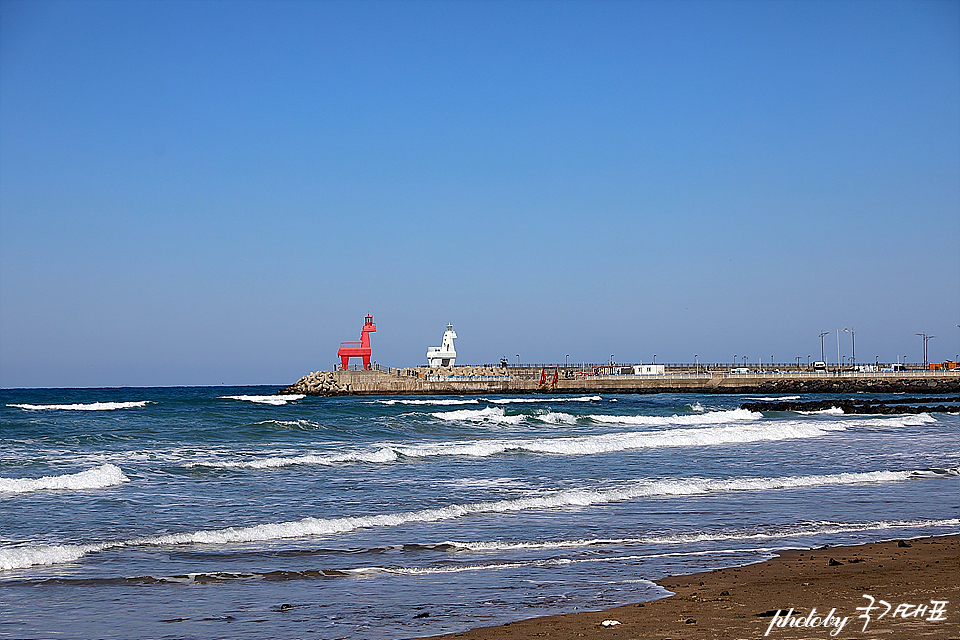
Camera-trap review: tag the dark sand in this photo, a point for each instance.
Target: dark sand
(739, 603)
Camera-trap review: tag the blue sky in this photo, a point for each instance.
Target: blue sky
(218, 192)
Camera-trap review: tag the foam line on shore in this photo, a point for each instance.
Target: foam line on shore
(28, 555)
(812, 529)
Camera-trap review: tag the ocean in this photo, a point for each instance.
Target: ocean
(219, 512)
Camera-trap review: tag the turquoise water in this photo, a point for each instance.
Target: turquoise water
(211, 513)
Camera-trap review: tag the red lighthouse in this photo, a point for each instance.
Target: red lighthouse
(358, 349)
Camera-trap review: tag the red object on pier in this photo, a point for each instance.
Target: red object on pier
(546, 380)
(358, 349)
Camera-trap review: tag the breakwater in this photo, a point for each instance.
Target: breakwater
(517, 380)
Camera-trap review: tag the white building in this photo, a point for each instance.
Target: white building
(444, 355)
(648, 370)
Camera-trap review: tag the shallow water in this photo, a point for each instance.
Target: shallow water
(215, 512)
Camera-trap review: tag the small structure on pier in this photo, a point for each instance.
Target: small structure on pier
(444, 355)
(358, 349)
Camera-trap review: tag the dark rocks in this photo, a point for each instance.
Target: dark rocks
(902, 406)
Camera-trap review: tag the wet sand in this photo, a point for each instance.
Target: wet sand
(742, 602)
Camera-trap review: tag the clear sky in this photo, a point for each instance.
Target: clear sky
(218, 192)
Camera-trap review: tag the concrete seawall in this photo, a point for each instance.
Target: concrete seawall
(491, 380)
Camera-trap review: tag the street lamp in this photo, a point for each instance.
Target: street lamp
(518, 359)
(744, 359)
(839, 363)
(822, 357)
(611, 359)
(926, 339)
(696, 363)
(654, 358)
(853, 338)
(565, 359)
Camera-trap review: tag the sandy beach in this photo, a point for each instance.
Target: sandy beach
(823, 593)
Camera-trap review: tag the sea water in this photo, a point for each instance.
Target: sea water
(220, 512)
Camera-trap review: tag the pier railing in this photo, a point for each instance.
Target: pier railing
(673, 370)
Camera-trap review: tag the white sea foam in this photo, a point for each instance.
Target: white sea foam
(106, 475)
(287, 424)
(710, 417)
(93, 406)
(573, 446)
(886, 422)
(494, 415)
(384, 454)
(274, 400)
(541, 400)
(832, 411)
(612, 442)
(553, 417)
(792, 531)
(26, 556)
(439, 402)
(774, 398)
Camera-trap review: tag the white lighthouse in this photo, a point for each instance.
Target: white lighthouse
(444, 355)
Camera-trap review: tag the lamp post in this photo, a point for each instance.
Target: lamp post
(853, 339)
(744, 359)
(518, 359)
(566, 358)
(926, 339)
(839, 363)
(734, 361)
(798, 363)
(696, 364)
(654, 358)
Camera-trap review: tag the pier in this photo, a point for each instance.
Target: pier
(615, 379)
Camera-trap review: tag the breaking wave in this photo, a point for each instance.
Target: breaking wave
(93, 406)
(711, 417)
(793, 531)
(494, 415)
(541, 400)
(106, 475)
(274, 400)
(384, 454)
(574, 446)
(440, 402)
(29, 555)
